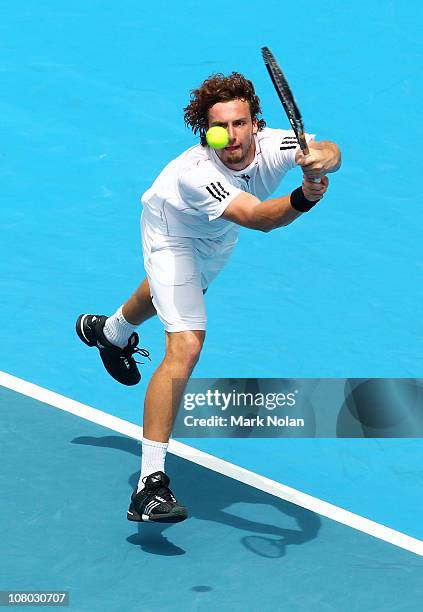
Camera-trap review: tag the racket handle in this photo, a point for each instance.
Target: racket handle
(306, 151)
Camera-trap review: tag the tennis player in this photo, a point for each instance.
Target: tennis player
(189, 224)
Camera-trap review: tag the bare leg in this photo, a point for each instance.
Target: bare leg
(139, 307)
(182, 352)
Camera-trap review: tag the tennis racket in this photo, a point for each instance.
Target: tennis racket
(286, 97)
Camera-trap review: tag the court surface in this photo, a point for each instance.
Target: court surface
(91, 111)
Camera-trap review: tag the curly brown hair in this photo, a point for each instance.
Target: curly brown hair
(220, 88)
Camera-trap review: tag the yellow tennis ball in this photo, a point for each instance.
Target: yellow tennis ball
(217, 137)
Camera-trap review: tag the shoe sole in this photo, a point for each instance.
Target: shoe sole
(79, 327)
(159, 518)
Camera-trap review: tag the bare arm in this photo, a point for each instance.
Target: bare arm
(249, 211)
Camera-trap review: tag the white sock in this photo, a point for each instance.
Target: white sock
(117, 329)
(153, 459)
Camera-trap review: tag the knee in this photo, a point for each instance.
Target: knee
(186, 348)
(190, 349)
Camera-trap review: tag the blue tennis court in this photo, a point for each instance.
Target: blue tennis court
(91, 111)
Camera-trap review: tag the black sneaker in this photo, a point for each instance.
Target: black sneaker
(156, 502)
(119, 363)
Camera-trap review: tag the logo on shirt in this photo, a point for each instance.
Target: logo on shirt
(246, 178)
(217, 191)
(289, 142)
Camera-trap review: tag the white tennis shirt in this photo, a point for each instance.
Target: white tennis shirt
(189, 196)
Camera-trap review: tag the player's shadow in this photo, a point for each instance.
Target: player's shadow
(208, 495)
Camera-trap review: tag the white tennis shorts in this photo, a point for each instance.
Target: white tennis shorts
(178, 270)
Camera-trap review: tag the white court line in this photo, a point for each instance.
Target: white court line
(397, 538)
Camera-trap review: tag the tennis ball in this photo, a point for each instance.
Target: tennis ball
(217, 137)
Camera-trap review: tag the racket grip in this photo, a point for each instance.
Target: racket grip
(306, 151)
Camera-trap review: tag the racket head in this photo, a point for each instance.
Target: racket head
(286, 97)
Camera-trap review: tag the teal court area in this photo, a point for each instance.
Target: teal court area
(66, 484)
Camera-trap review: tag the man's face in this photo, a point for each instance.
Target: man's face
(236, 118)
